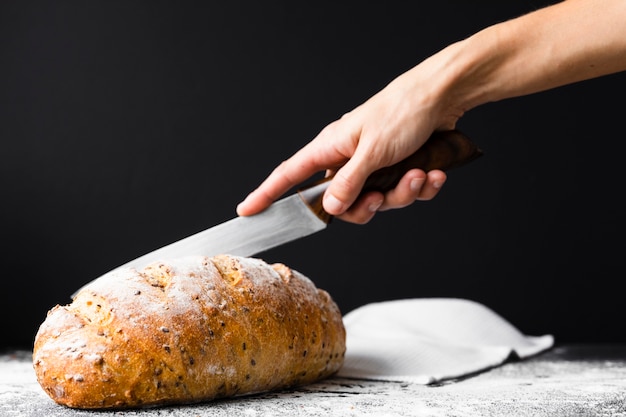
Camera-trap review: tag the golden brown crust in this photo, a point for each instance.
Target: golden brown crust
(188, 331)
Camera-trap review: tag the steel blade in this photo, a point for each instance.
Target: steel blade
(285, 220)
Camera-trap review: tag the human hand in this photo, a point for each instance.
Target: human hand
(530, 53)
(384, 130)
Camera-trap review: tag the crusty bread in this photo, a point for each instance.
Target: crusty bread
(186, 331)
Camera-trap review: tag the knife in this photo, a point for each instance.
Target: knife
(302, 214)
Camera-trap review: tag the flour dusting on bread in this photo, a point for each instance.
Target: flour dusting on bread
(188, 330)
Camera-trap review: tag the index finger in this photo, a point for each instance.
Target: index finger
(289, 173)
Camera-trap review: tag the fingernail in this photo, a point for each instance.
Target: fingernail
(240, 207)
(375, 206)
(332, 204)
(437, 184)
(243, 203)
(245, 199)
(416, 184)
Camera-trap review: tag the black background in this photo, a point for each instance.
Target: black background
(128, 125)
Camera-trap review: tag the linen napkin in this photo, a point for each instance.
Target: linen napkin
(427, 340)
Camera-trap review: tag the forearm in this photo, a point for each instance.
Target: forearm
(561, 44)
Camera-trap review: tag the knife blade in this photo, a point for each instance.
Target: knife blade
(302, 214)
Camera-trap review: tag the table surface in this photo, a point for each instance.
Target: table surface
(568, 380)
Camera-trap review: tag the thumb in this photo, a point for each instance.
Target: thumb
(345, 187)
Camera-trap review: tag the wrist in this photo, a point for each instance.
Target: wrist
(458, 78)
(479, 68)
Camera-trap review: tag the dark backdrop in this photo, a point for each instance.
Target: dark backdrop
(126, 125)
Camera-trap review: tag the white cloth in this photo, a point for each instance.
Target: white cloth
(427, 340)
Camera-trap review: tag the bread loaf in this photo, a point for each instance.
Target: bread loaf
(186, 331)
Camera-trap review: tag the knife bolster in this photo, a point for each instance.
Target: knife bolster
(313, 196)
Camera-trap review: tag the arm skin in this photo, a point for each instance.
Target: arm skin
(567, 42)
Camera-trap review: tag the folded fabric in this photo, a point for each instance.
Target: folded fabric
(427, 340)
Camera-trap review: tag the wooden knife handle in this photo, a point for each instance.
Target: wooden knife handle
(444, 150)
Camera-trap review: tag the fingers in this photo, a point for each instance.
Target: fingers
(284, 177)
(348, 181)
(415, 185)
(343, 191)
(271, 189)
(363, 209)
(315, 157)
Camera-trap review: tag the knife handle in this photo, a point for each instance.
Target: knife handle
(444, 150)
